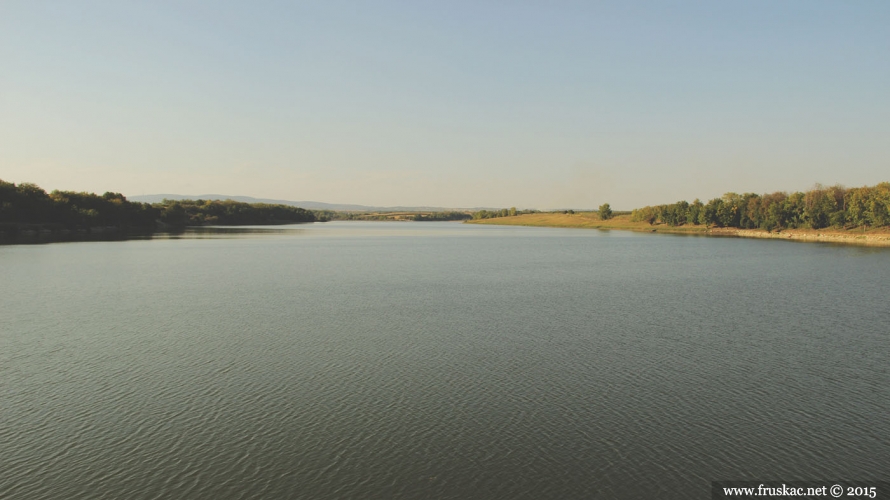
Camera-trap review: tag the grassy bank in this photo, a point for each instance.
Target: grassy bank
(590, 220)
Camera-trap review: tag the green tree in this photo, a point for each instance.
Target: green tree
(693, 215)
(605, 211)
(772, 211)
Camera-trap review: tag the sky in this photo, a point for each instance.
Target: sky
(550, 104)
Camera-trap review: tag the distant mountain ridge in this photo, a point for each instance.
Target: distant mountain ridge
(310, 205)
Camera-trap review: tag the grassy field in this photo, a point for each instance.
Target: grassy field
(590, 220)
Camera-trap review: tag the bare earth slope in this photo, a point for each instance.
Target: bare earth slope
(875, 237)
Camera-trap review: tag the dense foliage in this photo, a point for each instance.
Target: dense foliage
(504, 212)
(817, 208)
(27, 205)
(442, 216)
(605, 211)
(394, 216)
(229, 213)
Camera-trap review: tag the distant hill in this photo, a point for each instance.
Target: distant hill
(310, 205)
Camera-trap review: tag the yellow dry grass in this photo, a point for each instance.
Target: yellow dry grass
(590, 220)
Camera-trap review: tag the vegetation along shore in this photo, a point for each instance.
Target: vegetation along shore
(857, 216)
(26, 208)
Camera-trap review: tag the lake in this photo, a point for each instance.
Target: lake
(438, 360)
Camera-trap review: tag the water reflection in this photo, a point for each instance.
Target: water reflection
(365, 360)
(213, 232)
(32, 237)
(337, 229)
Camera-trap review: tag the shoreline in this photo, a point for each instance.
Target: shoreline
(857, 237)
(840, 237)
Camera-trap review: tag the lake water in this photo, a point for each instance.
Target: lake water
(438, 360)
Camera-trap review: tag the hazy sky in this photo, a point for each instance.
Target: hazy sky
(480, 103)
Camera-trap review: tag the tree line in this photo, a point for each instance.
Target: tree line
(442, 216)
(27, 205)
(504, 212)
(388, 216)
(229, 213)
(818, 208)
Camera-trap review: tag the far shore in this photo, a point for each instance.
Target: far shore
(590, 220)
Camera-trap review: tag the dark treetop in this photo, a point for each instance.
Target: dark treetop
(27, 206)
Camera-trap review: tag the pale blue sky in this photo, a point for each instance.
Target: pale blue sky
(528, 104)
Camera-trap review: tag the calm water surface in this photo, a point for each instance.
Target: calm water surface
(438, 360)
